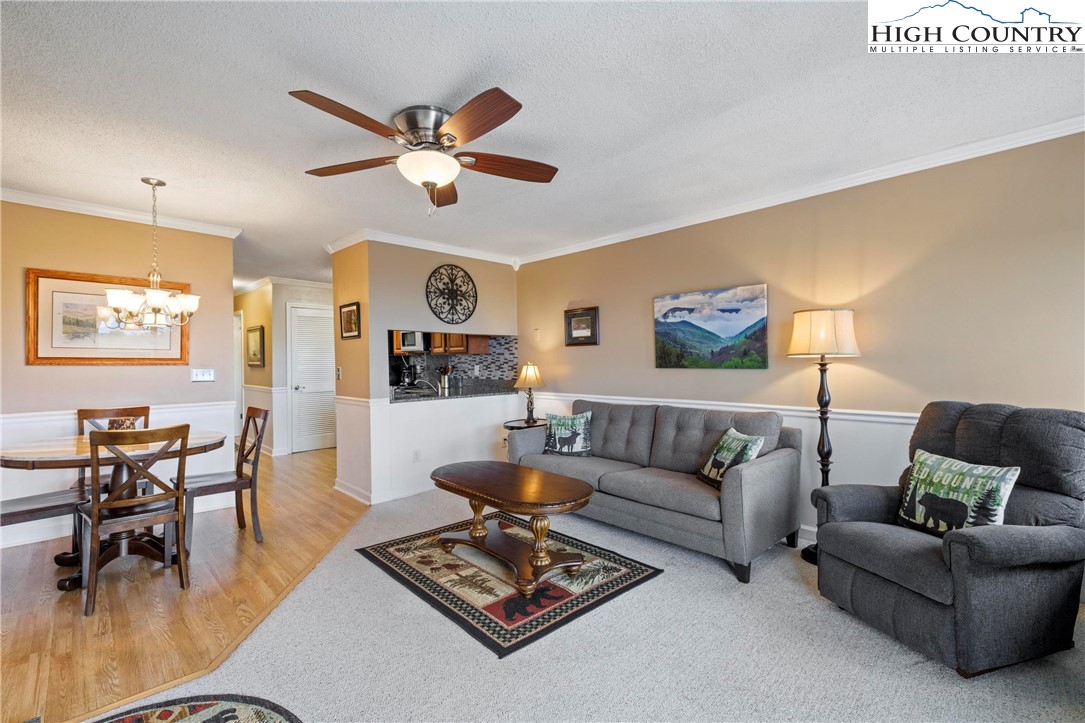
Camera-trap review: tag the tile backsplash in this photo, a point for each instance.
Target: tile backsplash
(501, 364)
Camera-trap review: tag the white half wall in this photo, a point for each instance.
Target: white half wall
(16, 429)
(868, 447)
(277, 440)
(387, 451)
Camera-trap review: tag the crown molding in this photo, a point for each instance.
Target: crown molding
(259, 283)
(372, 234)
(120, 214)
(956, 154)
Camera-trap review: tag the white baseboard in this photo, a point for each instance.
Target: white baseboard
(354, 491)
(808, 533)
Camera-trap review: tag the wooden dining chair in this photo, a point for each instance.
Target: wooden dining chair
(237, 481)
(123, 510)
(102, 418)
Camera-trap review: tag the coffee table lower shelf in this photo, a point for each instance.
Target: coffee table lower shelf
(531, 563)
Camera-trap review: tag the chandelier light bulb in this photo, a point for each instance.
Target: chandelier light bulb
(425, 167)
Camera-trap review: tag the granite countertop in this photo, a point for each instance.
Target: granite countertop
(468, 388)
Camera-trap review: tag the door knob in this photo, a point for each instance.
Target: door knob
(297, 387)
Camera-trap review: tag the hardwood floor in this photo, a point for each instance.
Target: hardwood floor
(146, 632)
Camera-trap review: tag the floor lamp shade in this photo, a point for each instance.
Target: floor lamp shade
(823, 332)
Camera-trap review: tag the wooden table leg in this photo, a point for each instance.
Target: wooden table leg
(540, 525)
(478, 525)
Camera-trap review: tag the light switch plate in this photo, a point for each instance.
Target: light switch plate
(339, 373)
(203, 375)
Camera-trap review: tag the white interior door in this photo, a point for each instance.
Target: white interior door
(311, 340)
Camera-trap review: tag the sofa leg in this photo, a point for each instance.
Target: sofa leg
(742, 572)
(793, 540)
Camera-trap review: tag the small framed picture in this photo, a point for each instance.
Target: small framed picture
(254, 346)
(582, 326)
(349, 323)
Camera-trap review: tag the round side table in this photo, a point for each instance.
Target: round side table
(514, 424)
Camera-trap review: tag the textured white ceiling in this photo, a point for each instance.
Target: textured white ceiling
(651, 111)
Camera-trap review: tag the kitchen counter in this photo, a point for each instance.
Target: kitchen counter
(469, 388)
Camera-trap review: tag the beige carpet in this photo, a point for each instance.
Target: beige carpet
(352, 644)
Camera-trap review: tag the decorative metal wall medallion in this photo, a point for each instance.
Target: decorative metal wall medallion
(451, 294)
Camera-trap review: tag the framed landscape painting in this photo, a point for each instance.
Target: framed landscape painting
(68, 323)
(717, 329)
(582, 326)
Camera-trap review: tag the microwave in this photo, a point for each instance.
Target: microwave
(411, 341)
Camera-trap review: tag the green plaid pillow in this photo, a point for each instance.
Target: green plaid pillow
(733, 448)
(946, 494)
(570, 436)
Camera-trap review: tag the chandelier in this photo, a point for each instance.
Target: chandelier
(154, 308)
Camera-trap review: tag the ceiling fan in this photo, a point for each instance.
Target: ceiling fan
(429, 134)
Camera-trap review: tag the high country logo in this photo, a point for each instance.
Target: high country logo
(975, 26)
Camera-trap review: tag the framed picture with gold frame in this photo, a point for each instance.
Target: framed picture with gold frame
(68, 323)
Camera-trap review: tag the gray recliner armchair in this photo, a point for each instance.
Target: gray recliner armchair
(979, 598)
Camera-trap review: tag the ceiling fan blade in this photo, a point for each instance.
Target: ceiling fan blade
(353, 166)
(508, 167)
(443, 195)
(341, 111)
(481, 115)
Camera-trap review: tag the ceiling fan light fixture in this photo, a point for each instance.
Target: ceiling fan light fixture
(428, 167)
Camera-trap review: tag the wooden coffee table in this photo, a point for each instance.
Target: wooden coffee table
(518, 490)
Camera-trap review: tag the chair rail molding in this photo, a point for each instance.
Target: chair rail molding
(869, 447)
(22, 427)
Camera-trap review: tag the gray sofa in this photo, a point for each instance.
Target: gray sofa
(979, 598)
(642, 467)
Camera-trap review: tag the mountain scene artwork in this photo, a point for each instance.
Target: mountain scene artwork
(717, 329)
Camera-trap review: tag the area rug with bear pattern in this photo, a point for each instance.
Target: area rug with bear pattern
(476, 591)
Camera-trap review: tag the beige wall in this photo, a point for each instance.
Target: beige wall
(390, 283)
(256, 307)
(350, 282)
(397, 300)
(59, 240)
(266, 306)
(968, 282)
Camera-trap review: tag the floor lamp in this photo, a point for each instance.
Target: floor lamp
(822, 333)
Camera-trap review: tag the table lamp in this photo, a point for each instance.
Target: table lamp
(822, 333)
(530, 377)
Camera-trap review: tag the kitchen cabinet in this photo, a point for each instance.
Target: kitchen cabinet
(447, 343)
(455, 343)
(478, 344)
(397, 342)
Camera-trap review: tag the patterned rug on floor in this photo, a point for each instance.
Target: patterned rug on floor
(475, 591)
(208, 709)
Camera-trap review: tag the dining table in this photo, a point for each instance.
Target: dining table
(74, 453)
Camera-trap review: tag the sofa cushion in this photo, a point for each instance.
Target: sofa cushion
(954, 494)
(568, 435)
(588, 469)
(733, 448)
(666, 489)
(684, 436)
(910, 558)
(620, 431)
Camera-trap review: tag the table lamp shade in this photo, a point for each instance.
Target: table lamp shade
(823, 332)
(530, 378)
